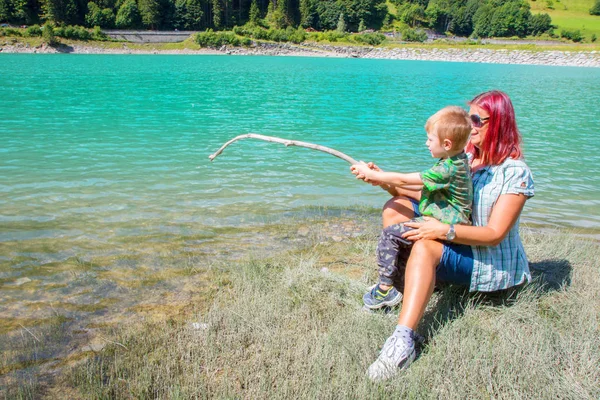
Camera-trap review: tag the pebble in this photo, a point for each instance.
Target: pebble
(481, 55)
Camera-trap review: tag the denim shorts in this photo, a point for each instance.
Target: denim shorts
(456, 264)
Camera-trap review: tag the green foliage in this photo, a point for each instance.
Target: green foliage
(276, 35)
(373, 39)
(48, 35)
(11, 32)
(216, 11)
(593, 38)
(413, 35)
(73, 32)
(362, 26)
(149, 12)
(595, 10)
(97, 34)
(62, 12)
(328, 36)
(539, 24)
(189, 14)
(341, 25)
(573, 35)
(411, 14)
(254, 15)
(511, 18)
(308, 13)
(5, 10)
(33, 30)
(218, 39)
(104, 18)
(128, 15)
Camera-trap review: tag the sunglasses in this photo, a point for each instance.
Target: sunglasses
(477, 121)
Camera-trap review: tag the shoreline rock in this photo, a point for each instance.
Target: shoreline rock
(475, 55)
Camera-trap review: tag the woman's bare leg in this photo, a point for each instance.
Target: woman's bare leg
(419, 281)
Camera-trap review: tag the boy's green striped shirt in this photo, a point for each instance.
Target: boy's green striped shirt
(447, 193)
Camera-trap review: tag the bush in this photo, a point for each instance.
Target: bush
(574, 35)
(33, 30)
(595, 10)
(75, 33)
(218, 39)
(593, 37)
(11, 32)
(277, 35)
(539, 24)
(97, 34)
(374, 39)
(329, 36)
(48, 35)
(413, 35)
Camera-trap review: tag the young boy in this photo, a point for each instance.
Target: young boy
(446, 194)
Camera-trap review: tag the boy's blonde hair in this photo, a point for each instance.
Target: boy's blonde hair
(452, 123)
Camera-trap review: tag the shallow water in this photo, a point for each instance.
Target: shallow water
(106, 191)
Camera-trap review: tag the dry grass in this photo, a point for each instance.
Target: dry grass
(286, 328)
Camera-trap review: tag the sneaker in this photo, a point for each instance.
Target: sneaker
(396, 355)
(376, 298)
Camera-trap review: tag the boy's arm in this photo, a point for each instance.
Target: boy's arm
(388, 178)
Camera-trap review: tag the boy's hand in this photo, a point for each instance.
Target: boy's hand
(373, 167)
(361, 171)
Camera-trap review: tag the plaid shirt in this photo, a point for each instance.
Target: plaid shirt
(505, 265)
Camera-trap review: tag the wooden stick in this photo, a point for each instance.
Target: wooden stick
(286, 142)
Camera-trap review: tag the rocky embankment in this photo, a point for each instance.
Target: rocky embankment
(429, 53)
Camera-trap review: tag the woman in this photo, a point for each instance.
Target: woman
(486, 256)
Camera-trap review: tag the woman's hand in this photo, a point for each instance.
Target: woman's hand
(431, 229)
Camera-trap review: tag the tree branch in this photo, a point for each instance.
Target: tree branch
(286, 142)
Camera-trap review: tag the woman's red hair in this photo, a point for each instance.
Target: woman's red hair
(503, 139)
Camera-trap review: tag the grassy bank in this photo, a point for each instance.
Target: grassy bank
(569, 15)
(292, 327)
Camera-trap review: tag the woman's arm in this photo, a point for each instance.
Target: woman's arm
(504, 214)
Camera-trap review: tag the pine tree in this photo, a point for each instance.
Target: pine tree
(341, 25)
(216, 10)
(150, 12)
(254, 12)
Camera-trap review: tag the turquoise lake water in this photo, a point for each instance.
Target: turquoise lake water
(107, 156)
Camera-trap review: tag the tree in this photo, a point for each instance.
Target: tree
(328, 12)
(48, 35)
(216, 11)
(60, 11)
(539, 23)
(149, 13)
(188, 14)
(128, 15)
(595, 10)
(411, 14)
(307, 13)
(341, 25)
(254, 15)
(362, 26)
(97, 17)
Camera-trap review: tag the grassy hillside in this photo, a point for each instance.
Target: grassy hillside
(570, 14)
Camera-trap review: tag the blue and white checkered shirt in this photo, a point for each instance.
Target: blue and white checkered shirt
(505, 265)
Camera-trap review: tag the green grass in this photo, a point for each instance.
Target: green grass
(570, 14)
(284, 328)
